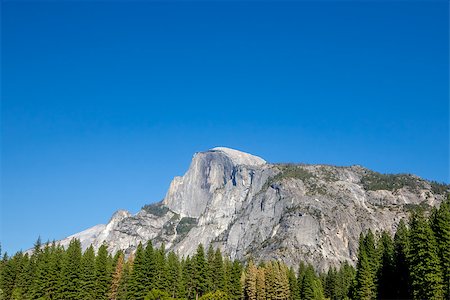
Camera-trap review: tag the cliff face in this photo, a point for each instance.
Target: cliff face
(246, 206)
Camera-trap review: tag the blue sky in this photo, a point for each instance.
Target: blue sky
(104, 102)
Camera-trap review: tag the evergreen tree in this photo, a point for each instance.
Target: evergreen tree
(52, 284)
(250, 282)
(117, 277)
(188, 277)
(122, 293)
(200, 272)
(260, 284)
(210, 269)
(386, 290)
(235, 285)
(331, 284)
(441, 228)
(426, 272)
(150, 280)
(87, 276)
(173, 272)
(217, 295)
(71, 272)
(364, 285)
(160, 280)
(308, 284)
(269, 275)
(402, 280)
(23, 278)
(218, 272)
(40, 278)
(102, 273)
(346, 275)
(136, 287)
(293, 286)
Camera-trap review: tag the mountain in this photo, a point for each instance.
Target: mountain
(249, 207)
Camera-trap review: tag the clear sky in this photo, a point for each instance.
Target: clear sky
(103, 103)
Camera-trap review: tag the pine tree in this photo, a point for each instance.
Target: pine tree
(23, 277)
(117, 277)
(281, 281)
(200, 272)
(137, 280)
(210, 269)
(71, 272)
(87, 277)
(402, 280)
(218, 272)
(331, 284)
(364, 285)
(149, 269)
(173, 271)
(426, 272)
(441, 229)
(293, 286)
(308, 284)
(102, 273)
(260, 284)
(386, 271)
(52, 284)
(300, 274)
(235, 285)
(40, 278)
(250, 282)
(345, 277)
(122, 293)
(160, 280)
(188, 276)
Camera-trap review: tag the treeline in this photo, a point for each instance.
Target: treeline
(414, 264)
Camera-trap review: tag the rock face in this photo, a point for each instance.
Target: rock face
(246, 206)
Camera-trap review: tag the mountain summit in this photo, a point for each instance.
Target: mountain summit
(248, 207)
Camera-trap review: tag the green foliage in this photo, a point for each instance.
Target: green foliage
(156, 294)
(386, 269)
(88, 278)
(421, 207)
(439, 188)
(217, 295)
(374, 181)
(200, 278)
(401, 271)
(441, 228)
(426, 273)
(137, 288)
(103, 277)
(70, 283)
(156, 209)
(185, 225)
(292, 171)
(414, 265)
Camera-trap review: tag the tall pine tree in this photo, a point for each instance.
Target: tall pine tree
(426, 272)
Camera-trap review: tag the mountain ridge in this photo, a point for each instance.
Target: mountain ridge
(248, 207)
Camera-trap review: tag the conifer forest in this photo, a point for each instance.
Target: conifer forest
(412, 264)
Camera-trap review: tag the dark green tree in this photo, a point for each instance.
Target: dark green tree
(441, 229)
(136, 287)
(218, 272)
(426, 273)
(386, 272)
(88, 278)
(364, 281)
(149, 281)
(200, 280)
(70, 283)
(103, 274)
